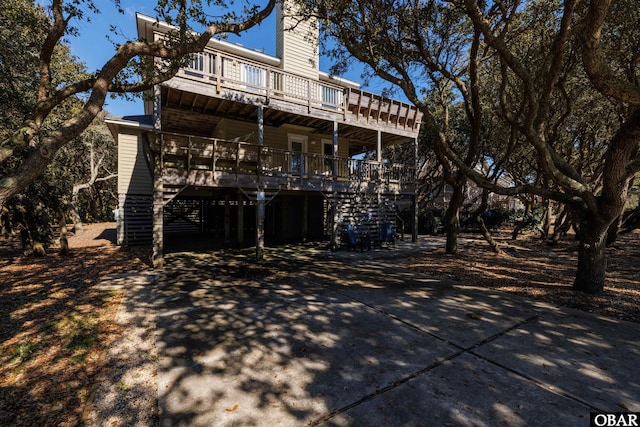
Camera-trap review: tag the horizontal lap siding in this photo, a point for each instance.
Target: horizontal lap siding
(134, 176)
(296, 43)
(135, 188)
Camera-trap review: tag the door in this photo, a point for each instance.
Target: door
(328, 160)
(297, 146)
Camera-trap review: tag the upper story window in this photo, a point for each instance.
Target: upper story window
(201, 64)
(196, 61)
(254, 76)
(331, 97)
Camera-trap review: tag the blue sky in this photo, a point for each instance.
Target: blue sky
(92, 46)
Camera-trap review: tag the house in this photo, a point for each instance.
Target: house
(241, 146)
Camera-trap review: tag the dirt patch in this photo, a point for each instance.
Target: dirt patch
(55, 326)
(536, 270)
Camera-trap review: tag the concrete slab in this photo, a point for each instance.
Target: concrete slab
(366, 342)
(466, 391)
(269, 355)
(593, 359)
(461, 315)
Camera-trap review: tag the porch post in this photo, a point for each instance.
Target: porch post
(335, 148)
(379, 147)
(158, 208)
(157, 256)
(240, 230)
(414, 204)
(260, 205)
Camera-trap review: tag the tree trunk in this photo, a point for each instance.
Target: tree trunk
(613, 231)
(493, 244)
(5, 222)
(452, 218)
(484, 203)
(75, 212)
(592, 259)
(64, 242)
(562, 224)
(29, 234)
(546, 220)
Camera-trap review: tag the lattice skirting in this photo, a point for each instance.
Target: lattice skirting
(135, 220)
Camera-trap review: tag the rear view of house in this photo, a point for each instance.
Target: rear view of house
(241, 146)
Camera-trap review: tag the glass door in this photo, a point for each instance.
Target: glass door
(296, 157)
(297, 146)
(328, 159)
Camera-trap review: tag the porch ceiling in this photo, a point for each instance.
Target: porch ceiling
(193, 113)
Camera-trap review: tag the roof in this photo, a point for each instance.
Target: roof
(148, 24)
(144, 122)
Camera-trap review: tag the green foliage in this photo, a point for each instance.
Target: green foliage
(23, 351)
(22, 30)
(33, 211)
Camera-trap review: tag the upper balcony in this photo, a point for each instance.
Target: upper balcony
(232, 77)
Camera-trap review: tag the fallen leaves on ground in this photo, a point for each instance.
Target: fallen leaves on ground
(55, 325)
(532, 268)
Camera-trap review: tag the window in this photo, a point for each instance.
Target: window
(331, 97)
(254, 76)
(196, 61)
(201, 64)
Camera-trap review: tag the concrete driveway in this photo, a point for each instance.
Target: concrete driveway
(355, 339)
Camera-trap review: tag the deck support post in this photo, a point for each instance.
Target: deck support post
(158, 211)
(240, 228)
(260, 213)
(379, 147)
(335, 148)
(334, 221)
(157, 257)
(227, 219)
(260, 125)
(414, 202)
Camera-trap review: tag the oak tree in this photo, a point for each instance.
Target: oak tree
(529, 67)
(42, 121)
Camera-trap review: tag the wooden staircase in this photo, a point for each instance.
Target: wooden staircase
(366, 211)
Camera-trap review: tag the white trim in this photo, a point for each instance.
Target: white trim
(151, 24)
(291, 137)
(297, 162)
(128, 124)
(326, 77)
(326, 141)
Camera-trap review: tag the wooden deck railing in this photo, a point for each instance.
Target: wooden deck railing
(185, 154)
(239, 74)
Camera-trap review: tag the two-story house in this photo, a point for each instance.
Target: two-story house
(241, 146)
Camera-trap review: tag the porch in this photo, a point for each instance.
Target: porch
(209, 162)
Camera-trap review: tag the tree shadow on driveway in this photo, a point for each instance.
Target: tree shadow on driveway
(303, 339)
